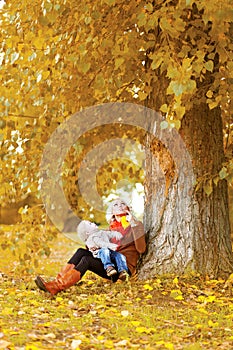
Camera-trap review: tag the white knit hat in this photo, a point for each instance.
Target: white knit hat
(82, 230)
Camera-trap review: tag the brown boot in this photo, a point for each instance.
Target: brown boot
(65, 269)
(61, 283)
(40, 282)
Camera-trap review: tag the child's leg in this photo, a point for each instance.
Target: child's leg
(104, 255)
(120, 261)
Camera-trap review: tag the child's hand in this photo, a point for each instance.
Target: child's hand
(93, 249)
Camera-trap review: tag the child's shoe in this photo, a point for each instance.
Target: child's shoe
(123, 276)
(111, 271)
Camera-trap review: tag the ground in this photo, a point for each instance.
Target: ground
(188, 313)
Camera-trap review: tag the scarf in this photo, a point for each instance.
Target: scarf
(121, 227)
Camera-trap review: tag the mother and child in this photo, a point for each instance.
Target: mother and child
(111, 254)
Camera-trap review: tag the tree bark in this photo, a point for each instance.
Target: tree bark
(187, 230)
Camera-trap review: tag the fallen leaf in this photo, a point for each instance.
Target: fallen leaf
(4, 344)
(75, 343)
(125, 313)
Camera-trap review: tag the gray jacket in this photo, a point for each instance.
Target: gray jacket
(101, 239)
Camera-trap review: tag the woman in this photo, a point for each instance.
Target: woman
(131, 246)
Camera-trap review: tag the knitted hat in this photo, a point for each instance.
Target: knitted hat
(84, 228)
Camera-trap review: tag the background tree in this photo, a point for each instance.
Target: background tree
(174, 57)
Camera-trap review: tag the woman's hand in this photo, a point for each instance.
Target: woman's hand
(130, 218)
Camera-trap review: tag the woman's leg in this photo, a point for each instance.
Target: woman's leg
(75, 259)
(89, 263)
(86, 262)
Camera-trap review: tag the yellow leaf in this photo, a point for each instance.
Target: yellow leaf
(142, 330)
(148, 287)
(90, 282)
(124, 222)
(176, 294)
(149, 296)
(59, 299)
(157, 282)
(46, 74)
(20, 47)
(118, 62)
(31, 347)
(84, 67)
(169, 346)
(209, 65)
(164, 108)
(180, 111)
(201, 298)
(46, 324)
(198, 326)
(135, 323)
(213, 324)
(202, 310)
(142, 95)
(100, 337)
(38, 43)
(211, 298)
(209, 94)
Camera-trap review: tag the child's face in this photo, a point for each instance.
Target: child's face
(90, 226)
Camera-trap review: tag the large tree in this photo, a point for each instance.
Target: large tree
(197, 237)
(171, 56)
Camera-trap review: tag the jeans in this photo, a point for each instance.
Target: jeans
(111, 258)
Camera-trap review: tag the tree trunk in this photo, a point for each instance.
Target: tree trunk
(187, 230)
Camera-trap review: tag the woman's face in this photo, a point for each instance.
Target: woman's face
(119, 207)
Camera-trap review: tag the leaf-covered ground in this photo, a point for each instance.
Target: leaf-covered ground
(166, 313)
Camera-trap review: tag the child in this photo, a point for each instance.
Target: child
(98, 242)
